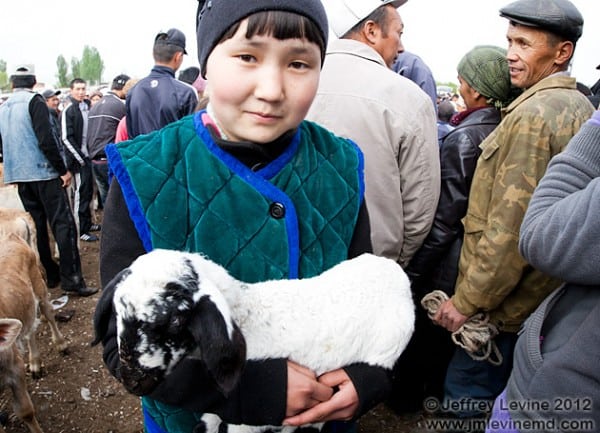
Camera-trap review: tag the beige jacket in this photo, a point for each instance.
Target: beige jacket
(394, 123)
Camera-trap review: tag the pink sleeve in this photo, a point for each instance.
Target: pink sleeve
(121, 134)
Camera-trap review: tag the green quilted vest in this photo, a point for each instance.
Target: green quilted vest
(293, 218)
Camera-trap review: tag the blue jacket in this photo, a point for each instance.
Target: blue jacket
(30, 150)
(157, 100)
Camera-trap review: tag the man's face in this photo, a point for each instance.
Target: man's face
(389, 44)
(52, 102)
(531, 55)
(78, 91)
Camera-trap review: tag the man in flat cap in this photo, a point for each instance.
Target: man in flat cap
(159, 99)
(493, 277)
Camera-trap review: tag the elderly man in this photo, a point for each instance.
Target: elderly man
(493, 277)
(390, 118)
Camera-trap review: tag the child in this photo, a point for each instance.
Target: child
(251, 185)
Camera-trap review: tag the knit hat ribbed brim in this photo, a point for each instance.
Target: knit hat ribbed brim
(218, 16)
(485, 69)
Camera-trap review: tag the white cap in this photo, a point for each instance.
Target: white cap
(345, 14)
(24, 70)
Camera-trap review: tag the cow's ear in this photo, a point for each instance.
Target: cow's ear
(9, 331)
(223, 354)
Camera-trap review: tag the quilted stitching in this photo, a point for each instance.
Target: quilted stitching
(212, 210)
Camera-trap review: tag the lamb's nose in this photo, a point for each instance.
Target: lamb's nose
(137, 381)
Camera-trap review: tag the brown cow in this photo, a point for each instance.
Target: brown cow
(22, 291)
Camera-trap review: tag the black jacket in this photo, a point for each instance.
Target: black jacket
(435, 265)
(157, 100)
(71, 131)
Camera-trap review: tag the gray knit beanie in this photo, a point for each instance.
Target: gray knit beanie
(485, 69)
(215, 17)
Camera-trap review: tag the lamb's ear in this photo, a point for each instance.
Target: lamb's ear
(224, 356)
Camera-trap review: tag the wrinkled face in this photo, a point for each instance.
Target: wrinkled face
(53, 102)
(468, 93)
(531, 55)
(261, 87)
(389, 44)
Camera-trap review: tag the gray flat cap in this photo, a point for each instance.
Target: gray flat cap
(557, 16)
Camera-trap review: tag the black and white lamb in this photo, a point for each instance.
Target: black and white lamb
(172, 304)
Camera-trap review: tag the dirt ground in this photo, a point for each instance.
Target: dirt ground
(77, 394)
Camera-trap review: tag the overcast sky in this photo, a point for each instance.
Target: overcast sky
(34, 31)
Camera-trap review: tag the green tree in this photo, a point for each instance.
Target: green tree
(4, 84)
(75, 68)
(63, 71)
(91, 65)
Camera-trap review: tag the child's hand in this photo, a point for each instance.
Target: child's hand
(341, 406)
(303, 389)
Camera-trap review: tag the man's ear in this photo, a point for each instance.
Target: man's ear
(223, 355)
(564, 53)
(371, 31)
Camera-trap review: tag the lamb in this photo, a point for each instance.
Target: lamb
(173, 304)
(22, 292)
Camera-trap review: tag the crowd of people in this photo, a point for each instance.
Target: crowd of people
(307, 135)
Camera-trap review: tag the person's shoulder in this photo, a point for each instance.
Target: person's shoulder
(321, 136)
(549, 103)
(184, 87)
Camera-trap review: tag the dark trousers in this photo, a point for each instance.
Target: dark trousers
(467, 378)
(100, 169)
(84, 192)
(419, 373)
(47, 202)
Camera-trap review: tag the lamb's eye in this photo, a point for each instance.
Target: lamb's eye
(176, 324)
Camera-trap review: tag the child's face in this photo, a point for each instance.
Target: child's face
(261, 87)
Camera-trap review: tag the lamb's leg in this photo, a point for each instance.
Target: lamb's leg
(213, 424)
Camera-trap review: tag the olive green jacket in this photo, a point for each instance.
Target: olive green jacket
(493, 277)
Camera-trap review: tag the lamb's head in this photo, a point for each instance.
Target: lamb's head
(169, 306)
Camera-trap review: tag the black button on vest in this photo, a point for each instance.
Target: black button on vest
(277, 210)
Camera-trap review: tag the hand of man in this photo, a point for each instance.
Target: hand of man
(303, 390)
(66, 179)
(341, 406)
(449, 317)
